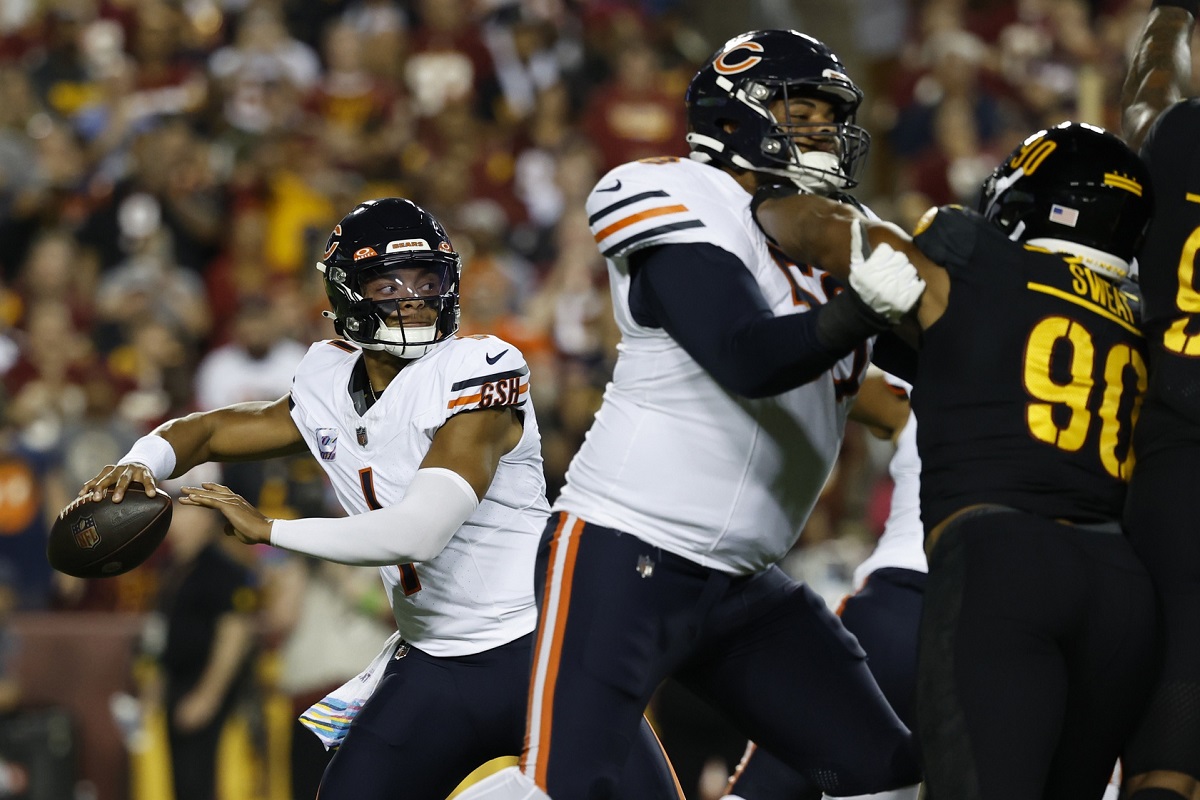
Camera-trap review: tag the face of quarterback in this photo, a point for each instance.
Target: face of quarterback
(408, 286)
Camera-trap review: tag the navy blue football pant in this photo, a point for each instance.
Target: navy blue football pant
(1037, 654)
(433, 720)
(884, 615)
(617, 616)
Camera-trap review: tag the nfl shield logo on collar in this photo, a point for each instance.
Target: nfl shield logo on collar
(327, 443)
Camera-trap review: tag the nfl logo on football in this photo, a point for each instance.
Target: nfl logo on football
(327, 443)
(85, 533)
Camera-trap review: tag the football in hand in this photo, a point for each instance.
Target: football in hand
(100, 539)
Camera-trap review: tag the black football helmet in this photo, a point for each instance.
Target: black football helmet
(1073, 188)
(739, 83)
(386, 258)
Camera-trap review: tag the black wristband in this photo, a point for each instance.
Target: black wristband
(846, 321)
(1190, 6)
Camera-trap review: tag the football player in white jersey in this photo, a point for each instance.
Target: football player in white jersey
(885, 609)
(431, 444)
(735, 372)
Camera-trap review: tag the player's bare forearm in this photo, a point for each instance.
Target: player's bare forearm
(1159, 72)
(816, 230)
(879, 408)
(242, 432)
(811, 230)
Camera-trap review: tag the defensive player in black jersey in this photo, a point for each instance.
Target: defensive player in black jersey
(1038, 635)
(1163, 760)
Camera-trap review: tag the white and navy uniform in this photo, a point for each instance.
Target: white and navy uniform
(477, 593)
(884, 613)
(684, 495)
(455, 693)
(744, 500)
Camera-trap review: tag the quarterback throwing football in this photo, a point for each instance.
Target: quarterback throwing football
(431, 444)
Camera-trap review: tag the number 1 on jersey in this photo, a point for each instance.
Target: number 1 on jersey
(409, 582)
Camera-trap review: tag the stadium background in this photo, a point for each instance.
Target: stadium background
(169, 170)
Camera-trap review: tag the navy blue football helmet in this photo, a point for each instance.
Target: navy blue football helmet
(386, 259)
(1073, 188)
(729, 117)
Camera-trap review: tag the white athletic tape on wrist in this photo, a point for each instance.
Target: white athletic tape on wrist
(154, 453)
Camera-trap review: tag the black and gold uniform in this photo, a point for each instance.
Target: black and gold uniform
(1161, 515)
(1029, 381)
(1038, 632)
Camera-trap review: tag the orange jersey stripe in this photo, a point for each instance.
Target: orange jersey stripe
(638, 217)
(474, 398)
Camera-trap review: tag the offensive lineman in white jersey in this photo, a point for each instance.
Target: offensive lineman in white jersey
(431, 444)
(735, 371)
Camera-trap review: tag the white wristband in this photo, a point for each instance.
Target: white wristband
(154, 453)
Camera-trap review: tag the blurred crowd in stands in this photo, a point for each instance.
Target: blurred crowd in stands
(170, 169)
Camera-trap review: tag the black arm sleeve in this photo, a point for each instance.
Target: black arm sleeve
(706, 299)
(893, 354)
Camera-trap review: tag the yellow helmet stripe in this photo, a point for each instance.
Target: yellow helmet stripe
(1122, 182)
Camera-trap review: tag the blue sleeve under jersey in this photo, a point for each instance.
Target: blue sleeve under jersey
(707, 300)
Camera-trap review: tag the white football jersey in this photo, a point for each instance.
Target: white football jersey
(478, 592)
(672, 457)
(903, 541)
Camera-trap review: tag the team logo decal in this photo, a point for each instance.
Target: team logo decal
(327, 443)
(87, 537)
(401, 245)
(337, 231)
(723, 66)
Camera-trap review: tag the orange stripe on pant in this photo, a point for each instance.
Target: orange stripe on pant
(549, 648)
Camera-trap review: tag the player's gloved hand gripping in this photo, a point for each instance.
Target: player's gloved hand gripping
(883, 277)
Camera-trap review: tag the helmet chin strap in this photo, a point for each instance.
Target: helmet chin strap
(1098, 261)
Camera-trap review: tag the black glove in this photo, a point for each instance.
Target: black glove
(846, 321)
